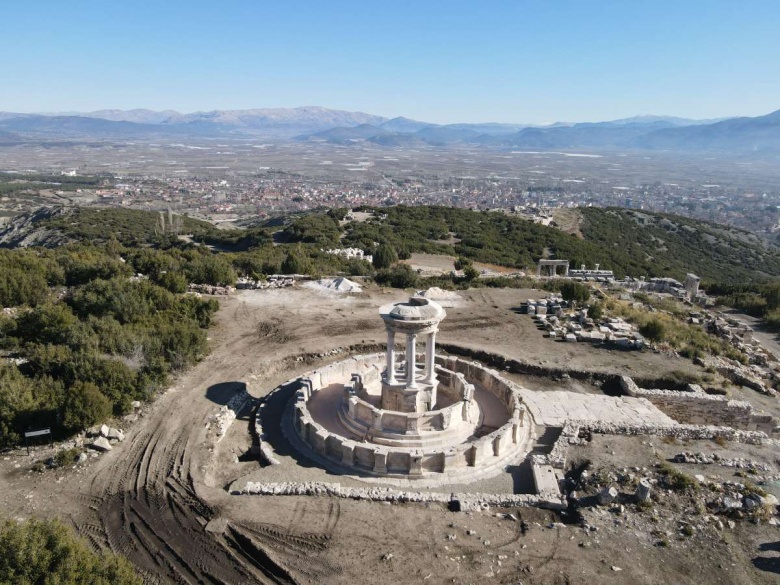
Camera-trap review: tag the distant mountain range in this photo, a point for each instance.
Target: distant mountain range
(316, 124)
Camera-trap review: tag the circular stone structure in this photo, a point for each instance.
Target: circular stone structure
(409, 389)
(432, 417)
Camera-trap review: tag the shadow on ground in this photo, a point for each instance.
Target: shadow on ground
(222, 393)
(768, 564)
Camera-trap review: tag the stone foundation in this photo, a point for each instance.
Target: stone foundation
(410, 445)
(694, 406)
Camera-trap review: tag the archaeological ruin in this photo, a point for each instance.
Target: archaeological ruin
(406, 415)
(411, 419)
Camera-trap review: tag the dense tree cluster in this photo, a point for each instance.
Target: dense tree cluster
(627, 242)
(47, 552)
(11, 183)
(654, 244)
(86, 337)
(759, 300)
(321, 229)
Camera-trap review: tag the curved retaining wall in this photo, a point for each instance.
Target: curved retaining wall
(493, 450)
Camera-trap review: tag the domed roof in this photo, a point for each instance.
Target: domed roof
(416, 309)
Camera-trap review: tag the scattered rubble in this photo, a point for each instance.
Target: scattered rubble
(468, 502)
(208, 289)
(552, 315)
(272, 282)
(350, 254)
(738, 463)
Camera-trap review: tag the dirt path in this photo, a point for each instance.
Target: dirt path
(768, 339)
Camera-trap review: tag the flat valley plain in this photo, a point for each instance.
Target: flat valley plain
(226, 157)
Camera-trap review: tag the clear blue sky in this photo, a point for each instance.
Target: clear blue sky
(441, 61)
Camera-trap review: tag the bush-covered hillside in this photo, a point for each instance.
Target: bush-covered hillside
(83, 338)
(672, 245)
(625, 241)
(91, 325)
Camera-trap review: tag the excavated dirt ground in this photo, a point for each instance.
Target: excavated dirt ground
(160, 499)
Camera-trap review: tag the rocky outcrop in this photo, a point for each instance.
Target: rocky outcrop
(25, 230)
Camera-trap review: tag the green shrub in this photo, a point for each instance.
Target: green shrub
(84, 406)
(676, 480)
(399, 276)
(575, 292)
(66, 456)
(653, 330)
(295, 263)
(384, 256)
(596, 311)
(47, 552)
(175, 282)
(17, 396)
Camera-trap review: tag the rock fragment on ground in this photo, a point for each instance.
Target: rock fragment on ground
(101, 444)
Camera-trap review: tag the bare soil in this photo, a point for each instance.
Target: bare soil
(160, 497)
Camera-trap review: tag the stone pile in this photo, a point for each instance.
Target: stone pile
(104, 437)
(467, 501)
(351, 254)
(272, 282)
(736, 497)
(689, 432)
(208, 289)
(551, 305)
(715, 459)
(739, 374)
(578, 327)
(224, 417)
(574, 430)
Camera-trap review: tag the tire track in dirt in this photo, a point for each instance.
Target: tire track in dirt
(144, 505)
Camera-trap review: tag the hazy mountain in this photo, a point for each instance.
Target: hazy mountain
(442, 135)
(344, 135)
(736, 134)
(273, 122)
(78, 126)
(402, 124)
(9, 115)
(490, 128)
(342, 127)
(397, 139)
(282, 122)
(139, 116)
(598, 135)
(430, 135)
(654, 120)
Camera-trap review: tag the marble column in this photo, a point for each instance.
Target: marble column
(430, 353)
(411, 358)
(391, 357)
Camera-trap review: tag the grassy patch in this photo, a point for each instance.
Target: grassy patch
(676, 480)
